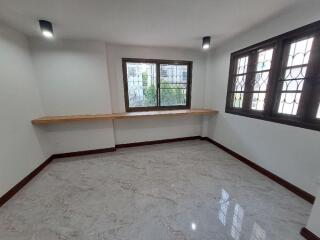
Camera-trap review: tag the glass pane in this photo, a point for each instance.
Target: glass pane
(292, 85)
(294, 77)
(242, 65)
(300, 52)
(142, 87)
(261, 81)
(173, 84)
(264, 60)
(295, 73)
(258, 101)
(237, 100)
(240, 83)
(289, 103)
(318, 113)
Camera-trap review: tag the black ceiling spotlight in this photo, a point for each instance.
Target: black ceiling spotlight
(46, 28)
(206, 42)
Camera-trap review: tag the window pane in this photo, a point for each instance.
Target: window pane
(300, 52)
(258, 101)
(264, 60)
(261, 79)
(295, 73)
(318, 113)
(173, 84)
(237, 100)
(294, 77)
(292, 85)
(142, 87)
(289, 103)
(242, 65)
(240, 83)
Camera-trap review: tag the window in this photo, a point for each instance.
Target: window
(240, 80)
(278, 79)
(156, 84)
(294, 75)
(261, 79)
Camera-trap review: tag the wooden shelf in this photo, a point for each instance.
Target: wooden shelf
(115, 116)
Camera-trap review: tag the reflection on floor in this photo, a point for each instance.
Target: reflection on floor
(186, 190)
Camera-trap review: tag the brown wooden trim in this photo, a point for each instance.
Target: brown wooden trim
(307, 234)
(296, 190)
(7, 196)
(81, 153)
(158, 62)
(309, 101)
(307, 196)
(24, 181)
(137, 144)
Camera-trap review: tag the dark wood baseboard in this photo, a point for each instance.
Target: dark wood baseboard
(307, 196)
(298, 191)
(24, 181)
(82, 153)
(137, 144)
(307, 234)
(35, 172)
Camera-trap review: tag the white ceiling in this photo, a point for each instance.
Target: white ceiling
(174, 23)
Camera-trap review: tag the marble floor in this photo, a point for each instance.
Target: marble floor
(186, 190)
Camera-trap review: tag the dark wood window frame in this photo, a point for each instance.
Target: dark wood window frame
(158, 62)
(310, 96)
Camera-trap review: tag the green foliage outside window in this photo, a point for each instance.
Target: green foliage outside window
(170, 94)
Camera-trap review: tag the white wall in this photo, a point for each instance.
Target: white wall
(85, 77)
(314, 220)
(290, 152)
(21, 149)
(73, 79)
(127, 131)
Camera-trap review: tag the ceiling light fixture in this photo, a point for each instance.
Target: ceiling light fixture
(206, 42)
(46, 28)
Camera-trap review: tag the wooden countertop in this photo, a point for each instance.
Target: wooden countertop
(114, 116)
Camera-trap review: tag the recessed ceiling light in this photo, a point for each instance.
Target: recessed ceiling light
(46, 28)
(206, 42)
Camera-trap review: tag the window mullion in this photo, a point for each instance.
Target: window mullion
(307, 95)
(283, 55)
(253, 57)
(275, 74)
(158, 84)
(231, 82)
(310, 95)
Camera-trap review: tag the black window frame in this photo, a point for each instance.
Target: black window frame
(310, 97)
(158, 63)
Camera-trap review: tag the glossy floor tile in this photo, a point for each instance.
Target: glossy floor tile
(178, 191)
